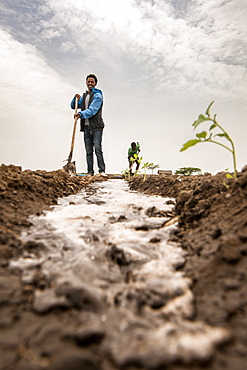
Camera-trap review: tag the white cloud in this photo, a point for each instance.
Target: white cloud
(197, 52)
(193, 47)
(34, 101)
(159, 67)
(68, 47)
(24, 69)
(223, 22)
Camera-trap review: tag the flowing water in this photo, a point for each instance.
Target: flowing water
(105, 252)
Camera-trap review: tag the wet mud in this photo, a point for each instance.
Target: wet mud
(72, 332)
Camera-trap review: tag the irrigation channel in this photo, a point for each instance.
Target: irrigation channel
(105, 253)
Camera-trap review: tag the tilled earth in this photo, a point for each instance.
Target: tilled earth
(212, 217)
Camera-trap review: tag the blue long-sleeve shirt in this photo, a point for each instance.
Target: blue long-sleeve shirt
(93, 107)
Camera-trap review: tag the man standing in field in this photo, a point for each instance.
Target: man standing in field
(92, 124)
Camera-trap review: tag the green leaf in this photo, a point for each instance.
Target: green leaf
(153, 166)
(187, 171)
(200, 119)
(212, 127)
(145, 165)
(189, 144)
(222, 135)
(208, 109)
(229, 176)
(202, 134)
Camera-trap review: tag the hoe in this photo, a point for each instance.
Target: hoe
(70, 167)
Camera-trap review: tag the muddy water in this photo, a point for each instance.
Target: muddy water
(105, 253)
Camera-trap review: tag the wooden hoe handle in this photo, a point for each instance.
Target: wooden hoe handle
(74, 131)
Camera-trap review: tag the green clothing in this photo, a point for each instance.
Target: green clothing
(131, 152)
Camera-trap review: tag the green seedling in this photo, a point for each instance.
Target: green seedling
(204, 137)
(187, 171)
(152, 167)
(146, 166)
(126, 174)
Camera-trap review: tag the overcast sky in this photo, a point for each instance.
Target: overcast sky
(159, 64)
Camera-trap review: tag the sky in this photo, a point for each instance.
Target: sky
(159, 64)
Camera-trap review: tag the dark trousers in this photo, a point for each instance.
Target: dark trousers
(131, 164)
(93, 141)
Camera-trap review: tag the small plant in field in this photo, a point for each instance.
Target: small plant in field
(126, 174)
(152, 167)
(146, 166)
(187, 171)
(228, 175)
(204, 137)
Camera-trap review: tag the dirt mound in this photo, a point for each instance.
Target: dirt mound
(212, 214)
(24, 193)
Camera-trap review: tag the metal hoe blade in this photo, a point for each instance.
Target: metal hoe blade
(70, 168)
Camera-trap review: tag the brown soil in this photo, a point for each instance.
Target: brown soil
(212, 216)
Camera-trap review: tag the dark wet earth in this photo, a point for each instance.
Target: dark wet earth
(115, 279)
